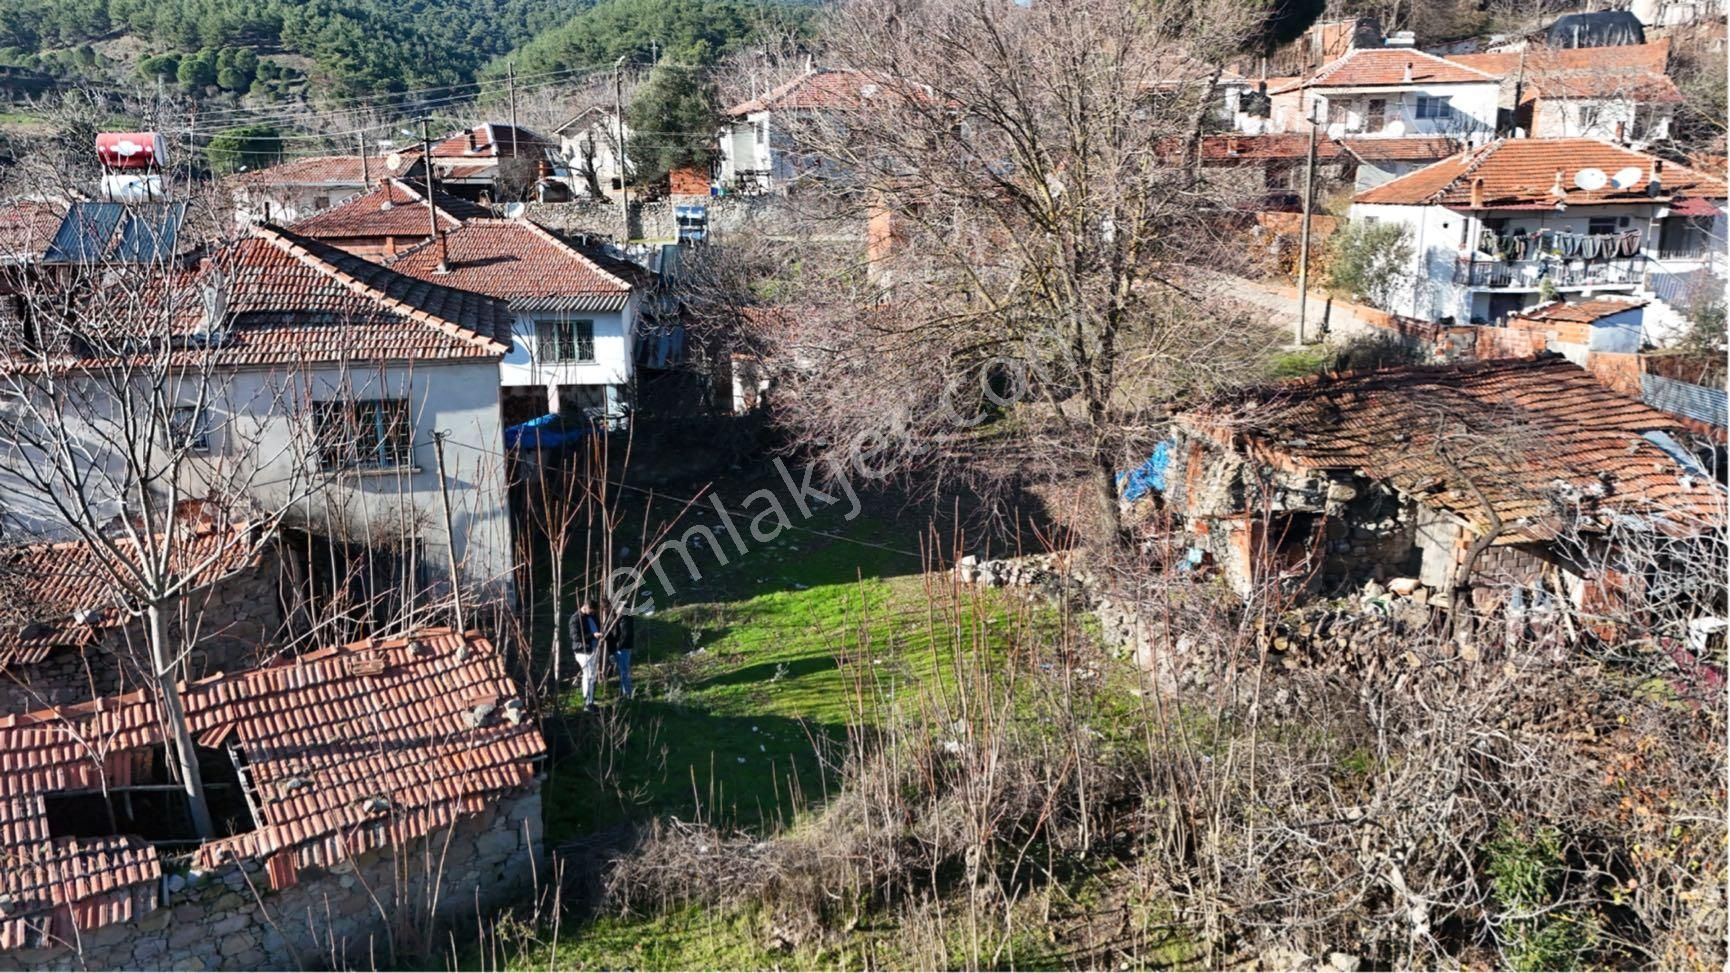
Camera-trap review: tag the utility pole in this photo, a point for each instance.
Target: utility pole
(511, 88)
(450, 533)
(432, 215)
(619, 117)
(1304, 239)
(365, 176)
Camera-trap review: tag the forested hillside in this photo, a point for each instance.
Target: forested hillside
(271, 49)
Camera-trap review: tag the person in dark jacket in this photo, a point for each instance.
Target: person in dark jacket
(586, 642)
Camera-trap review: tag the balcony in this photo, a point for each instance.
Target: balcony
(1529, 274)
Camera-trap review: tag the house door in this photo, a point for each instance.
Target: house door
(1502, 305)
(1376, 116)
(520, 403)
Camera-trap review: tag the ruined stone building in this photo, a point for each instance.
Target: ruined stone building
(1484, 476)
(361, 794)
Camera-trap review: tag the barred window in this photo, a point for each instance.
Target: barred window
(189, 428)
(565, 341)
(363, 434)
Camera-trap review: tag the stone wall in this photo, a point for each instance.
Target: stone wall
(237, 620)
(371, 913)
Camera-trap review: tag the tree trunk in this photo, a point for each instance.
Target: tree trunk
(1109, 532)
(163, 660)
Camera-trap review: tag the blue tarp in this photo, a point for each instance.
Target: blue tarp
(1148, 477)
(546, 432)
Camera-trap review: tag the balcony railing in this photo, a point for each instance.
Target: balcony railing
(1530, 274)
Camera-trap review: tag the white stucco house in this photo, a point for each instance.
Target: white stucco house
(1389, 92)
(758, 148)
(319, 382)
(589, 142)
(574, 313)
(1620, 92)
(1519, 222)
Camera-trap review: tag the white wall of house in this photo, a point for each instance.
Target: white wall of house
(747, 148)
(1470, 109)
(285, 204)
(1599, 117)
(528, 364)
(599, 137)
(260, 440)
(1436, 235)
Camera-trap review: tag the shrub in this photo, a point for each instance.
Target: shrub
(1369, 261)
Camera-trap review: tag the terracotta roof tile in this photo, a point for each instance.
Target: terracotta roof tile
(521, 262)
(423, 725)
(397, 208)
(324, 170)
(28, 226)
(1408, 148)
(1632, 70)
(1581, 312)
(1540, 432)
(1522, 172)
(492, 140)
(1367, 67)
(827, 88)
(48, 585)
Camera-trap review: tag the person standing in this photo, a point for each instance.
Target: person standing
(622, 638)
(586, 641)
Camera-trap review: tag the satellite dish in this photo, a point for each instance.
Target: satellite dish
(514, 210)
(1625, 177)
(1591, 180)
(1336, 130)
(393, 162)
(1395, 126)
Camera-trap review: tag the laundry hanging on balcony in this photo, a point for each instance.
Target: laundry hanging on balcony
(1538, 244)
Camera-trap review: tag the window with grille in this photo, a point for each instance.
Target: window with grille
(189, 428)
(363, 434)
(565, 341)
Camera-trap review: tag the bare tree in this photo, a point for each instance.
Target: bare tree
(1030, 176)
(113, 399)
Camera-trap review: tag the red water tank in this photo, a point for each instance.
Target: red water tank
(131, 150)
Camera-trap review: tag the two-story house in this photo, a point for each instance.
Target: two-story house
(574, 313)
(1517, 222)
(589, 143)
(315, 384)
(494, 162)
(759, 149)
(1617, 92)
(1390, 92)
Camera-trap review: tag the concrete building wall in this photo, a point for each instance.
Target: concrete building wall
(364, 914)
(612, 367)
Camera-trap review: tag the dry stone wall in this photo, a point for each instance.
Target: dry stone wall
(371, 913)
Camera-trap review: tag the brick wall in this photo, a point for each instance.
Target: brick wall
(1508, 343)
(237, 620)
(358, 915)
(1619, 371)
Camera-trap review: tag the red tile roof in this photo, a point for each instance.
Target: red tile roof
(492, 140)
(827, 88)
(348, 749)
(1536, 435)
(326, 170)
(1378, 67)
(47, 586)
(1632, 70)
(1522, 172)
(28, 226)
(397, 208)
(1257, 148)
(520, 262)
(1409, 148)
(1581, 312)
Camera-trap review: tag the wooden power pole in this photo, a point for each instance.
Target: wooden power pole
(619, 118)
(1304, 238)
